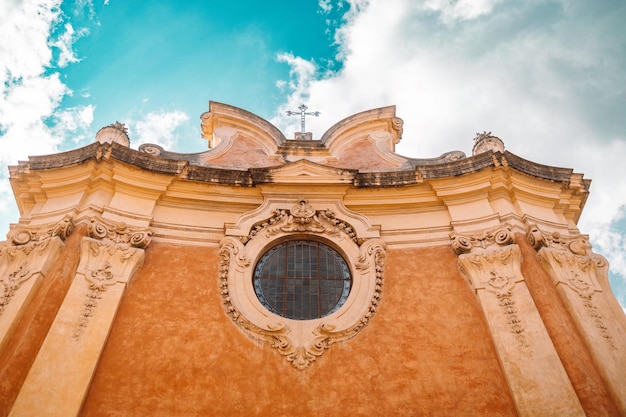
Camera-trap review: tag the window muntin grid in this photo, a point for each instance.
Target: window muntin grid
(302, 280)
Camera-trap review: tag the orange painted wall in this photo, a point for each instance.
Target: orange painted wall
(173, 351)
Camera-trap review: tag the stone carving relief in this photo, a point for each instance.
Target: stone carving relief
(110, 255)
(490, 261)
(571, 263)
(120, 234)
(303, 218)
(11, 283)
(301, 341)
(26, 253)
(468, 243)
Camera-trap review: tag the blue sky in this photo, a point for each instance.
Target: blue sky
(546, 76)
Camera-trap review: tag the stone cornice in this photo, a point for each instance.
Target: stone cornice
(443, 167)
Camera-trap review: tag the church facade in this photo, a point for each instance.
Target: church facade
(297, 277)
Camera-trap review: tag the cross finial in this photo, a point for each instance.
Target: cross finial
(302, 114)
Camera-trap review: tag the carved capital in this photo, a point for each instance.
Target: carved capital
(577, 245)
(120, 233)
(23, 235)
(481, 241)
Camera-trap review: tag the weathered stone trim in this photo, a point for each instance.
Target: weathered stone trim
(190, 167)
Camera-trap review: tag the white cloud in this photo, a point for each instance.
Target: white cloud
(65, 42)
(452, 10)
(546, 77)
(157, 128)
(24, 30)
(30, 91)
(325, 6)
(301, 74)
(75, 122)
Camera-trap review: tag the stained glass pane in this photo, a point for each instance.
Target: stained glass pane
(302, 280)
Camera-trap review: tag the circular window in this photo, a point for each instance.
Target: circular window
(302, 280)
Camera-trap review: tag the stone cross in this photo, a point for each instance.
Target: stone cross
(302, 114)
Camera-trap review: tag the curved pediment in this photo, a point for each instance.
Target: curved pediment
(382, 119)
(364, 141)
(223, 121)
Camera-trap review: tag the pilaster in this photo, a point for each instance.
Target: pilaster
(24, 261)
(61, 373)
(491, 262)
(578, 275)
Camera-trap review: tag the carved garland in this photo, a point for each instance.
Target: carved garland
(113, 239)
(302, 218)
(98, 281)
(11, 283)
(489, 250)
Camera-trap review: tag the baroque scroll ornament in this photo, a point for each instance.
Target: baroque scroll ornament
(314, 337)
(16, 263)
(302, 218)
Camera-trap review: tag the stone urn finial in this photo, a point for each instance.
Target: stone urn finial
(116, 132)
(484, 142)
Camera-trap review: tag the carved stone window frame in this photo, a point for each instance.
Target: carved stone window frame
(301, 341)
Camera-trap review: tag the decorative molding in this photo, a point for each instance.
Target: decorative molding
(120, 233)
(302, 218)
(301, 341)
(466, 243)
(110, 255)
(11, 283)
(25, 254)
(495, 271)
(98, 281)
(570, 261)
(577, 245)
(22, 235)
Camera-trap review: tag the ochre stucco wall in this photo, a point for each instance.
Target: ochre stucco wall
(173, 351)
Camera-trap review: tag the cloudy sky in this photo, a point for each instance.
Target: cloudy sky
(546, 76)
